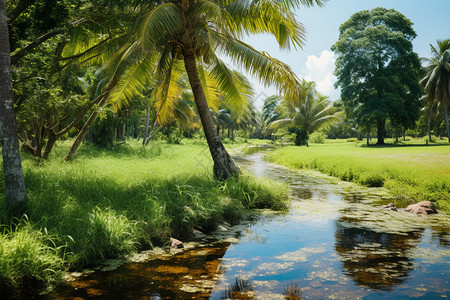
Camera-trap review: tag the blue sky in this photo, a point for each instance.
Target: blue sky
(431, 21)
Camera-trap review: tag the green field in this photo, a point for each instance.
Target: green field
(411, 172)
(109, 203)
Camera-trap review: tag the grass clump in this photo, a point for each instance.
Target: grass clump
(27, 254)
(109, 203)
(412, 173)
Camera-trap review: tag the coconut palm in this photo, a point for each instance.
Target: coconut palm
(306, 113)
(437, 80)
(198, 33)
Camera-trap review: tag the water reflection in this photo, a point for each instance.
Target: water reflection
(333, 243)
(372, 259)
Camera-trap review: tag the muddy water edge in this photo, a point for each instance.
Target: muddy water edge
(334, 242)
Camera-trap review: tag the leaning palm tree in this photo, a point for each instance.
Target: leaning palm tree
(200, 32)
(195, 31)
(437, 80)
(306, 113)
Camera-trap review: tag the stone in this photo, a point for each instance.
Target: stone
(198, 234)
(174, 243)
(390, 206)
(422, 208)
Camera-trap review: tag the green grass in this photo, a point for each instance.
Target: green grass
(109, 203)
(412, 173)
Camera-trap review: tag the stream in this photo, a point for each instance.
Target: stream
(334, 242)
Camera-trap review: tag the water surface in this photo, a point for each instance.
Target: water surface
(333, 243)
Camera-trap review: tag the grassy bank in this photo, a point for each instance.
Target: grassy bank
(108, 203)
(412, 173)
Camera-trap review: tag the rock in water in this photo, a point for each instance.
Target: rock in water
(174, 243)
(422, 208)
(390, 206)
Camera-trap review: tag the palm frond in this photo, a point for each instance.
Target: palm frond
(210, 87)
(266, 16)
(134, 82)
(160, 24)
(270, 71)
(168, 92)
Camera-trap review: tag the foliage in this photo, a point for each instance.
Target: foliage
(377, 69)
(317, 137)
(410, 172)
(437, 80)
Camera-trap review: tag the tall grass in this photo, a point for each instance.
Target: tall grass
(412, 173)
(107, 203)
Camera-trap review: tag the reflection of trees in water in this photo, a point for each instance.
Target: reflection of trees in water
(239, 289)
(373, 259)
(243, 289)
(292, 292)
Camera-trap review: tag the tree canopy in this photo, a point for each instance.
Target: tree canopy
(377, 70)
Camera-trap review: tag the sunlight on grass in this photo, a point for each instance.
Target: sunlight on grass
(414, 173)
(108, 203)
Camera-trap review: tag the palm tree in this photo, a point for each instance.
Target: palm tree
(12, 165)
(306, 113)
(198, 33)
(437, 80)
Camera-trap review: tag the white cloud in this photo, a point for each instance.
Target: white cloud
(320, 69)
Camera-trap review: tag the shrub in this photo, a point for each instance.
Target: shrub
(317, 137)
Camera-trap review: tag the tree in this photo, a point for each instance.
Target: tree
(377, 69)
(437, 79)
(195, 32)
(12, 165)
(306, 113)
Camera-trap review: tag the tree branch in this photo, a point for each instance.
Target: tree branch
(20, 8)
(24, 51)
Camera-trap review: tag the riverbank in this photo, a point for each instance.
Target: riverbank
(110, 203)
(412, 173)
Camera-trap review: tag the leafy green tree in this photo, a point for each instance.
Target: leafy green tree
(437, 79)
(194, 32)
(377, 69)
(12, 164)
(307, 113)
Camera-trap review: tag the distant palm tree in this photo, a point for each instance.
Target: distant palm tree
(306, 113)
(437, 80)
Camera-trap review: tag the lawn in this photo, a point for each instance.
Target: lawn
(411, 172)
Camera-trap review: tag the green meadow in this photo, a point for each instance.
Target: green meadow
(109, 203)
(411, 172)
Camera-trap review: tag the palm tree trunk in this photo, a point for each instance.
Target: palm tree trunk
(12, 163)
(224, 166)
(446, 120)
(428, 128)
(147, 121)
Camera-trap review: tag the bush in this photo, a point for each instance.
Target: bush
(352, 140)
(317, 137)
